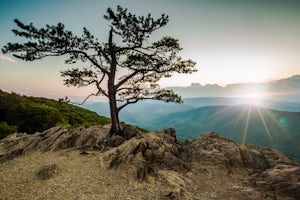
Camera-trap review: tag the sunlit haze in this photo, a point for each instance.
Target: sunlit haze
(231, 41)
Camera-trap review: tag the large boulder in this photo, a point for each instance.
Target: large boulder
(147, 153)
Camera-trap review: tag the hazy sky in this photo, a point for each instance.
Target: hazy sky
(231, 40)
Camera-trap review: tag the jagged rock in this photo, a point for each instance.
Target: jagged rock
(212, 147)
(11, 154)
(130, 132)
(272, 172)
(170, 131)
(231, 155)
(146, 152)
(274, 157)
(60, 137)
(253, 160)
(281, 179)
(115, 141)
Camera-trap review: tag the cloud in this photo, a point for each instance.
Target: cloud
(7, 59)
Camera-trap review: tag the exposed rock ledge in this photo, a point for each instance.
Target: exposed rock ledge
(190, 169)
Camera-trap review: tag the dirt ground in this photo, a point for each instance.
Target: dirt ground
(81, 177)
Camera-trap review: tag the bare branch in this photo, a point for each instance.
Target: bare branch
(97, 94)
(98, 85)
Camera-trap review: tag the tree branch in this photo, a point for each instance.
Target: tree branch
(99, 87)
(126, 79)
(89, 58)
(97, 94)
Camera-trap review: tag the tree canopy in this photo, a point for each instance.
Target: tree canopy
(127, 47)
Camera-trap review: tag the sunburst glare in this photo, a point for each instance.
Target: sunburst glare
(253, 118)
(246, 125)
(265, 125)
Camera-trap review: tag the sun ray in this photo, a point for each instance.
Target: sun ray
(221, 112)
(265, 125)
(278, 124)
(237, 120)
(292, 141)
(240, 116)
(246, 126)
(284, 131)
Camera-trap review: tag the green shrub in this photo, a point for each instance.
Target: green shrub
(6, 129)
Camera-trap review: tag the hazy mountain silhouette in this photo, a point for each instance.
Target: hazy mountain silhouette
(284, 90)
(146, 110)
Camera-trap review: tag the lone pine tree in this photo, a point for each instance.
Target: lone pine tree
(127, 48)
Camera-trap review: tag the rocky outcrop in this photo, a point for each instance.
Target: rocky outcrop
(269, 170)
(234, 156)
(281, 179)
(61, 137)
(210, 161)
(147, 153)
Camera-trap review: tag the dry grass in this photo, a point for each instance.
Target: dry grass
(79, 177)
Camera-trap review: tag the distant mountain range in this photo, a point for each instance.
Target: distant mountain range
(261, 122)
(148, 109)
(282, 90)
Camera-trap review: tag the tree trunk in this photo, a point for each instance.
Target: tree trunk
(114, 112)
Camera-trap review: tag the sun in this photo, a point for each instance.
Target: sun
(254, 98)
(254, 95)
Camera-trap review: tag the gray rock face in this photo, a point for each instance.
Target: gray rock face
(281, 179)
(146, 152)
(60, 137)
(266, 173)
(270, 171)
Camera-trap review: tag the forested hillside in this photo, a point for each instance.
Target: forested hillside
(32, 114)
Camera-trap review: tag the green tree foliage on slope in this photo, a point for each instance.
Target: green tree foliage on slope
(6, 129)
(32, 114)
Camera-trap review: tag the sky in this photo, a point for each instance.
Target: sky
(232, 41)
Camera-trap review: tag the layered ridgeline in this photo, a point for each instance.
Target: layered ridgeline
(268, 123)
(32, 114)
